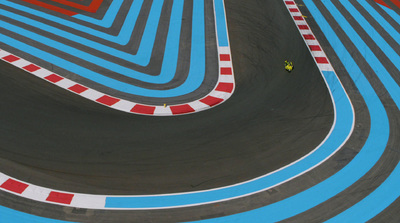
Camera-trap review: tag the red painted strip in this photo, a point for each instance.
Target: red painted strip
(293, 10)
(77, 88)
(321, 60)
(143, 109)
(225, 57)
(309, 37)
(382, 3)
(298, 18)
(226, 70)
(51, 7)
(181, 109)
(396, 2)
(58, 197)
(53, 78)
(10, 58)
(93, 7)
(303, 27)
(225, 87)
(31, 68)
(315, 48)
(107, 100)
(14, 186)
(289, 2)
(211, 101)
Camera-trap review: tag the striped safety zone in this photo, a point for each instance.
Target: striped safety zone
(48, 195)
(313, 45)
(222, 91)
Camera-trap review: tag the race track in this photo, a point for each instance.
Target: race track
(312, 145)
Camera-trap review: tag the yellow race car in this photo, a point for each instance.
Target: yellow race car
(288, 65)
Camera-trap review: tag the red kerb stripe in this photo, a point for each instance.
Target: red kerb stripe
(31, 68)
(58, 197)
(225, 87)
(298, 18)
(315, 48)
(53, 78)
(309, 37)
(181, 109)
(107, 100)
(293, 10)
(14, 186)
(226, 70)
(225, 57)
(143, 109)
(77, 88)
(289, 2)
(211, 101)
(303, 26)
(321, 60)
(10, 58)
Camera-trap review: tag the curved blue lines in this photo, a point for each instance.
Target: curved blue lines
(122, 38)
(361, 164)
(193, 81)
(171, 54)
(380, 70)
(388, 28)
(392, 13)
(108, 18)
(146, 45)
(341, 130)
(375, 202)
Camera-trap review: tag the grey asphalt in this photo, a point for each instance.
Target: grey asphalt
(272, 119)
(154, 66)
(75, 145)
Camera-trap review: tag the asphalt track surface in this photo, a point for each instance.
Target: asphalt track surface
(56, 139)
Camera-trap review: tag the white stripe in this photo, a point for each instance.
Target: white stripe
(124, 105)
(160, 110)
(92, 94)
(89, 201)
(220, 94)
(318, 53)
(225, 63)
(3, 178)
(36, 193)
(42, 73)
(65, 83)
(21, 63)
(224, 50)
(198, 106)
(4, 53)
(226, 79)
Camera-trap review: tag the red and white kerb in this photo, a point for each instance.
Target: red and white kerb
(222, 91)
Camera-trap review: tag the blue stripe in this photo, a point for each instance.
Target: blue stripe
(122, 38)
(391, 13)
(388, 28)
(108, 18)
(8, 215)
(365, 159)
(171, 54)
(342, 128)
(197, 67)
(376, 65)
(375, 202)
(145, 49)
(221, 23)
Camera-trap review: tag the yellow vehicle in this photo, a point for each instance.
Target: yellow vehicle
(288, 65)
